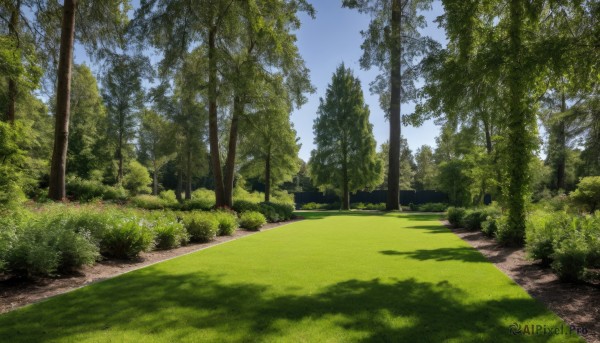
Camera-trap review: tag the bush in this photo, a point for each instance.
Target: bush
(474, 219)
(276, 212)
(375, 207)
(429, 207)
(569, 257)
(169, 198)
(126, 237)
(490, 226)
(310, 206)
(148, 202)
(508, 235)
(198, 204)
(358, 206)
(241, 206)
(117, 193)
(137, 178)
(456, 215)
(252, 220)
(201, 226)
(227, 223)
(587, 194)
(539, 236)
(84, 190)
(168, 232)
(48, 244)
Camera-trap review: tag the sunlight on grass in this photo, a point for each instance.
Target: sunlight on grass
(348, 277)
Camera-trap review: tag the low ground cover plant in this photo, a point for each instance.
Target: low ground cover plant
(252, 220)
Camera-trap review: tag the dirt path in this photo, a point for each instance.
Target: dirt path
(16, 293)
(576, 304)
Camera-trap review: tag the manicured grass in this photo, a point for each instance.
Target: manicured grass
(333, 277)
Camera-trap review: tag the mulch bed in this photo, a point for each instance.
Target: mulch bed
(15, 293)
(576, 303)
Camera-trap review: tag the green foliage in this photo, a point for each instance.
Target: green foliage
(169, 233)
(12, 158)
(241, 206)
(474, 219)
(149, 202)
(48, 244)
(202, 226)
(429, 207)
(252, 220)
(456, 216)
(227, 222)
(168, 197)
(587, 194)
(137, 179)
(311, 206)
(345, 157)
(490, 226)
(126, 237)
(84, 190)
(540, 233)
(275, 212)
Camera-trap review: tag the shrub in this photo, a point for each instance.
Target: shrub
(310, 206)
(358, 206)
(117, 193)
(569, 257)
(587, 194)
(490, 226)
(430, 207)
(276, 212)
(375, 207)
(84, 190)
(539, 236)
(456, 215)
(126, 237)
(591, 228)
(137, 178)
(47, 244)
(169, 233)
(241, 206)
(198, 204)
(202, 226)
(473, 219)
(508, 235)
(169, 198)
(227, 223)
(252, 220)
(148, 202)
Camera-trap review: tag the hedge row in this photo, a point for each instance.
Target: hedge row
(568, 242)
(58, 239)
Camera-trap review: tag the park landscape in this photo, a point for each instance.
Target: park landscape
(152, 192)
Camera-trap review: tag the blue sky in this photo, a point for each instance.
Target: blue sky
(331, 38)
(334, 37)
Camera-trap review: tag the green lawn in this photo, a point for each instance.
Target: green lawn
(330, 278)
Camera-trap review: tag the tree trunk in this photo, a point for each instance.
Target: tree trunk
(268, 177)
(120, 172)
(561, 138)
(238, 109)
(488, 136)
(179, 188)
(154, 179)
(213, 129)
(188, 174)
(345, 191)
(393, 193)
(13, 29)
(519, 120)
(63, 107)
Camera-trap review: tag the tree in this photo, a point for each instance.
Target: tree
(155, 144)
(236, 39)
(392, 43)
(425, 173)
(124, 96)
(98, 19)
(407, 165)
(270, 146)
(345, 157)
(88, 148)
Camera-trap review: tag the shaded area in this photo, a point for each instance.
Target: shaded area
(184, 307)
(464, 254)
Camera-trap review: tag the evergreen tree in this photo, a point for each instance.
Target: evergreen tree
(345, 157)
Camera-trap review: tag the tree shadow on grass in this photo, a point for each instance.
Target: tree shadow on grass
(465, 254)
(186, 306)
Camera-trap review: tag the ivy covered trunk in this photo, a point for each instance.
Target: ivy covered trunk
(63, 107)
(521, 121)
